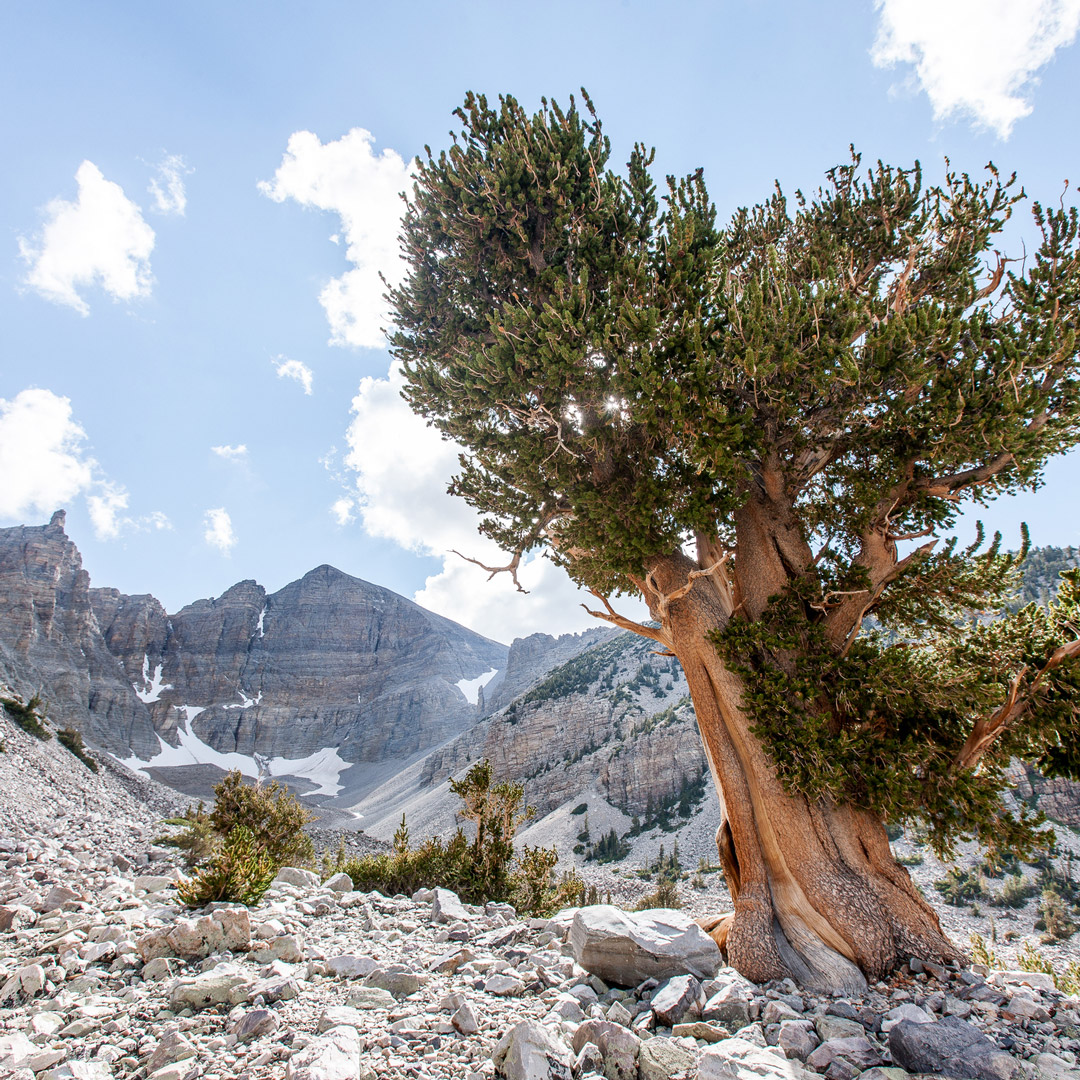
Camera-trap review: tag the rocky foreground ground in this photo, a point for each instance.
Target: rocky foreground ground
(103, 973)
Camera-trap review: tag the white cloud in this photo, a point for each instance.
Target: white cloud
(343, 510)
(105, 511)
(401, 495)
(167, 187)
(293, 369)
(45, 465)
(42, 456)
(219, 531)
(100, 238)
(975, 58)
(347, 178)
(231, 453)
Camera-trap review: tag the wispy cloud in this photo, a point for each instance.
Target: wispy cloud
(167, 187)
(219, 531)
(347, 178)
(293, 369)
(231, 453)
(100, 238)
(975, 58)
(344, 510)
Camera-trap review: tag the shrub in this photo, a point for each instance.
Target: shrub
(581, 808)
(1015, 892)
(914, 859)
(958, 886)
(981, 953)
(28, 715)
(198, 839)
(665, 895)
(1055, 918)
(485, 868)
(275, 817)
(238, 872)
(70, 738)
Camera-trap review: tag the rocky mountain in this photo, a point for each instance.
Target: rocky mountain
(330, 682)
(612, 725)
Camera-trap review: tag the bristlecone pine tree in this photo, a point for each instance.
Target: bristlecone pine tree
(761, 429)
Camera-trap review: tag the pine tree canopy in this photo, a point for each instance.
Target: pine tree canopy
(805, 397)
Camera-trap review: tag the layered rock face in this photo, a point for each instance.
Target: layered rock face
(327, 661)
(324, 674)
(50, 643)
(615, 720)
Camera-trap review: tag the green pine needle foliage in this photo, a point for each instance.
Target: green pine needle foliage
(237, 872)
(71, 739)
(28, 715)
(478, 870)
(819, 385)
(275, 817)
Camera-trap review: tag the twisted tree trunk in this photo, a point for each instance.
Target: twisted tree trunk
(818, 895)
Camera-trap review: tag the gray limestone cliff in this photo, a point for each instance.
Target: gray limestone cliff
(329, 662)
(50, 643)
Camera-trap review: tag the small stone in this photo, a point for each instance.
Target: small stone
(618, 1013)
(370, 997)
(730, 1006)
(709, 1033)
(341, 883)
(504, 986)
(338, 1015)
(660, 1059)
(255, 1024)
(676, 999)
(447, 908)
(464, 1020)
(736, 1059)
(173, 1047)
(297, 877)
(334, 1055)
(618, 1046)
(287, 948)
(151, 883)
(351, 966)
(796, 1040)
(836, 1027)
(529, 1051)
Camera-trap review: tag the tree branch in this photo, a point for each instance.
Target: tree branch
(984, 732)
(624, 623)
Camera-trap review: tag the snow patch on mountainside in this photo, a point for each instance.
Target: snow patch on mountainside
(153, 683)
(471, 687)
(323, 768)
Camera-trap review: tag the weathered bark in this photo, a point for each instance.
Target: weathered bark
(818, 895)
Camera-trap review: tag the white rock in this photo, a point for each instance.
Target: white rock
(627, 948)
(334, 1055)
(15, 1050)
(529, 1051)
(737, 1059)
(447, 908)
(340, 883)
(225, 983)
(25, 983)
(351, 966)
(294, 875)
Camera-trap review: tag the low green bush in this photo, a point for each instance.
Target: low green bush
(28, 715)
(70, 738)
(274, 815)
(237, 872)
(478, 870)
(665, 895)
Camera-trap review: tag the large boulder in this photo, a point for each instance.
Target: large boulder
(952, 1047)
(530, 1051)
(627, 948)
(227, 929)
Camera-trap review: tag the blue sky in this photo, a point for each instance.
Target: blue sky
(164, 298)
